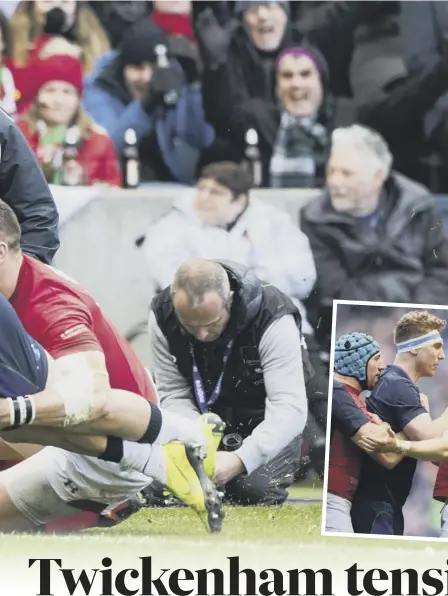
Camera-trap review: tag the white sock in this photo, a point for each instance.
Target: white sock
(146, 459)
(176, 427)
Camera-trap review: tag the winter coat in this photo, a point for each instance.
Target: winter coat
(403, 259)
(263, 238)
(245, 85)
(24, 189)
(96, 155)
(107, 100)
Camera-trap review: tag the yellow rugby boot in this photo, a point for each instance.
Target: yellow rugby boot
(213, 428)
(187, 480)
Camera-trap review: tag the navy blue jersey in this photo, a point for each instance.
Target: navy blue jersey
(23, 362)
(396, 400)
(346, 415)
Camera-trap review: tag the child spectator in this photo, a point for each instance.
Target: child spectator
(57, 108)
(41, 28)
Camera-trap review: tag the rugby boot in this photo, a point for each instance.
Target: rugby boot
(213, 429)
(187, 480)
(118, 512)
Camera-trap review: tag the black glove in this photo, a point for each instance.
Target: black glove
(163, 89)
(187, 54)
(214, 39)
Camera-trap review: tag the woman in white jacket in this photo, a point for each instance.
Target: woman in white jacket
(218, 221)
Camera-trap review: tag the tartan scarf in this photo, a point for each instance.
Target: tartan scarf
(300, 153)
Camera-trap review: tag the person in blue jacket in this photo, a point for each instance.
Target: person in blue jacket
(131, 89)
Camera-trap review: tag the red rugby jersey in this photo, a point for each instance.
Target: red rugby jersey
(65, 319)
(345, 457)
(441, 485)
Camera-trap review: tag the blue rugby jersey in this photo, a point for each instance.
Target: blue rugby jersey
(23, 362)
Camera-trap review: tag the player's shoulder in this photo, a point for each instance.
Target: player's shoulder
(393, 384)
(339, 387)
(44, 285)
(340, 392)
(396, 376)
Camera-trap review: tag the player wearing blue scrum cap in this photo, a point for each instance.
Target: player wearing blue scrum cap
(378, 503)
(357, 365)
(352, 353)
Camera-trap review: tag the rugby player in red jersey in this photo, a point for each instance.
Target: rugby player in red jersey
(98, 392)
(357, 365)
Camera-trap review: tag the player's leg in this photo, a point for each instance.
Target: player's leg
(337, 515)
(268, 485)
(27, 499)
(376, 517)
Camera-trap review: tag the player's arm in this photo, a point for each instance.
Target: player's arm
(404, 404)
(80, 400)
(423, 427)
(354, 424)
(435, 450)
(371, 432)
(78, 394)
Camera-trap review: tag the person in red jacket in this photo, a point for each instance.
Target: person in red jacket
(56, 110)
(44, 28)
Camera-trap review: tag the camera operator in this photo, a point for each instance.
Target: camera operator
(142, 88)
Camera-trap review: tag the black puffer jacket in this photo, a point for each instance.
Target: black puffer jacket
(404, 259)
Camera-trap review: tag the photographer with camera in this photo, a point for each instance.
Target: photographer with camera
(143, 88)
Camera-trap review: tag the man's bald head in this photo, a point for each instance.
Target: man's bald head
(202, 298)
(198, 277)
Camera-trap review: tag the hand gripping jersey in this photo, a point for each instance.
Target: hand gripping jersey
(349, 413)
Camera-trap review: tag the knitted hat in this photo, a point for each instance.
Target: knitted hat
(242, 5)
(140, 41)
(352, 353)
(313, 54)
(59, 68)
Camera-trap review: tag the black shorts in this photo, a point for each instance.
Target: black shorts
(377, 517)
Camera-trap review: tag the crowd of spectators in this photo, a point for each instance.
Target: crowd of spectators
(349, 98)
(192, 77)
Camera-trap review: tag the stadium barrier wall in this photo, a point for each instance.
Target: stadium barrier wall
(99, 228)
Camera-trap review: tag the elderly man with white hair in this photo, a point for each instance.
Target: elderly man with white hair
(375, 235)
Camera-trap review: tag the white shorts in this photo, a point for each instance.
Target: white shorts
(43, 486)
(338, 517)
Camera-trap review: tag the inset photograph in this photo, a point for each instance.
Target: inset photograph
(387, 444)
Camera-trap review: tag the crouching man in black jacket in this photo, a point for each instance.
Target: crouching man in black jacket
(224, 341)
(24, 189)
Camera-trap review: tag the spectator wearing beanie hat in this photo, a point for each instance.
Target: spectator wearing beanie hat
(241, 85)
(299, 150)
(40, 30)
(56, 108)
(163, 105)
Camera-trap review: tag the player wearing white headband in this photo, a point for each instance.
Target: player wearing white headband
(396, 399)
